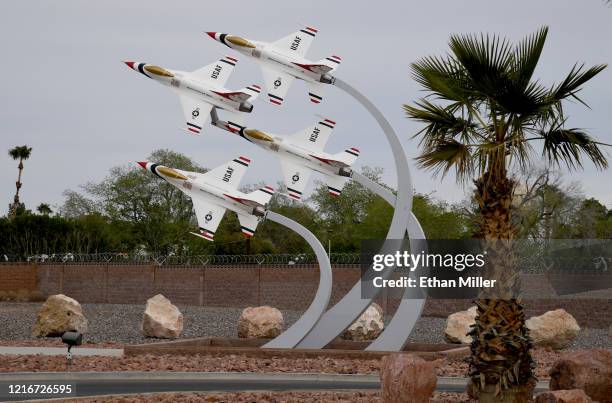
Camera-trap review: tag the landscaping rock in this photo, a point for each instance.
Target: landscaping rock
(59, 314)
(563, 396)
(369, 325)
(589, 370)
(406, 378)
(161, 319)
(458, 325)
(556, 329)
(262, 322)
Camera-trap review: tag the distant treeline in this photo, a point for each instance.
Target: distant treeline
(132, 211)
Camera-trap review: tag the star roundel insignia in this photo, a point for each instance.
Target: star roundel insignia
(295, 178)
(277, 83)
(208, 217)
(195, 113)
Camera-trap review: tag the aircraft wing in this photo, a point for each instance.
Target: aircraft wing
(228, 175)
(217, 72)
(315, 137)
(296, 177)
(298, 42)
(196, 113)
(209, 217)
(277, 83)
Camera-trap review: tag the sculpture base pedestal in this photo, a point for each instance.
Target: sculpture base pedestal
(252, 348)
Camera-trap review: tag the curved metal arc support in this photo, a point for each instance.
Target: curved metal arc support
(350, 307)
(292, 336)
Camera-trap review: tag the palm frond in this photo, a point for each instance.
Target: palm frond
(486, 59)
(20, 152)
(568, 146)
(441, 123)
(527, 55)
(572, 83)
(447, 154)
(443, 77)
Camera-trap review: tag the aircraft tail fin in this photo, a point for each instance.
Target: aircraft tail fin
(348, 156)
(253, 90)
(331, 61)
(262, 195)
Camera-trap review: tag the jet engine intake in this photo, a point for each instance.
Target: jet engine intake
(259, 211)
(345, 171)
(327, 79)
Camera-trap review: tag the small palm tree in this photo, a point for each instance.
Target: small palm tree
(20, 153)
(483, 114)
(44, 209)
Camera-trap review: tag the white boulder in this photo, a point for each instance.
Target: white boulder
(162, 319)
(59, 314)
(458, 325)
(261, 322)
(369, 325)
(556, 329)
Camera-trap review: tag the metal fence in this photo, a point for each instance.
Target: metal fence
(176, 260)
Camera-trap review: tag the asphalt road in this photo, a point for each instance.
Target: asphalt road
(106, 383)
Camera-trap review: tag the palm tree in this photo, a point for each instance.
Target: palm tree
(44, 209)
(482, 115)
(20, 153)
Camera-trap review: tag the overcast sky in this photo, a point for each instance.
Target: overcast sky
(65, 92)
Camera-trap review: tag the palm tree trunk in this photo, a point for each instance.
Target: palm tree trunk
(15, 206)
(18, 183)
(501, 368)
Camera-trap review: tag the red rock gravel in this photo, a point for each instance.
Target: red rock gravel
(235, 363)
(268, 397)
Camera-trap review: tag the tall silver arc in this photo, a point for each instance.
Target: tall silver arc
(296, 332)
(350, 307)
(292, 336)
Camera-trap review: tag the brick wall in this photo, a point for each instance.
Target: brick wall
(17, 277)
(291, 288)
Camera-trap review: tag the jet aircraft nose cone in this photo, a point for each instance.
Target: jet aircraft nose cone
(212, 34)
(129, 64)
(143, 164)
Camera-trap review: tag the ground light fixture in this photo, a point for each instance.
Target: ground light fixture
(71, 339)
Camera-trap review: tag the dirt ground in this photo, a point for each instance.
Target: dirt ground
(236, 363)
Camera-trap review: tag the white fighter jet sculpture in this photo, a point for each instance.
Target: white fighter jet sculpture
(283, 61)
(301, 154)
(202, 90)
(215, 191)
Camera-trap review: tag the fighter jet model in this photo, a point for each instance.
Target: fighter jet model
(283, 61)
(302, 153)
(202, 90)
(215, 191)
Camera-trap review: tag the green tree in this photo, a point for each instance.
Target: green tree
(20, 153)
(44, 209)
(341, 217)
(590, 220)
(489, 113)
(29, 235)
(360, 214)
(439, 219)
(147, 211)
